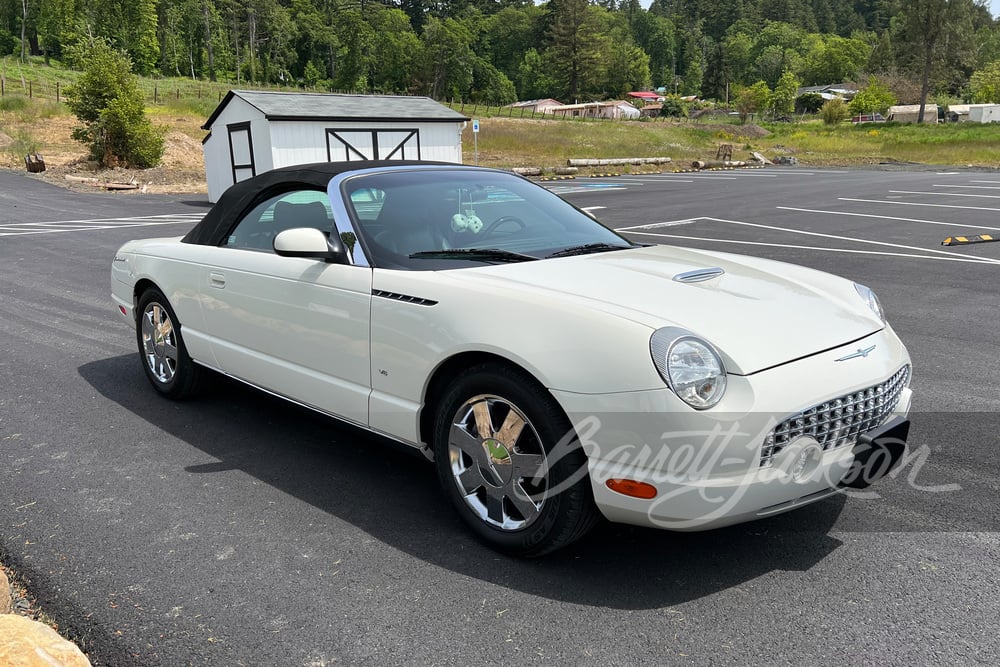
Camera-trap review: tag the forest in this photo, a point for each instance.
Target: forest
(499, 51)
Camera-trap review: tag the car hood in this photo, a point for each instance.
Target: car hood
(759, 313)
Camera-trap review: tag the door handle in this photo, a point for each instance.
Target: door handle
(217, 280)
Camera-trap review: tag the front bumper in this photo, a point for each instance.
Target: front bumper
(706, 466)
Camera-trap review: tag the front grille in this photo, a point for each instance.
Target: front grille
(839, 422)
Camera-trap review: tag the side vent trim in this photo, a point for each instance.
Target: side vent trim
(405, 298)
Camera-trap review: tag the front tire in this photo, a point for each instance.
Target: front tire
(509, 461)
(161, 347)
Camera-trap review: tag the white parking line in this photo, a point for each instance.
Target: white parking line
(969, 187)
(886, 217)
(656, 225)
(62, 226)
(706, 177)
(994, 182)
(942, 194)
(912, 203)
(981, 260)
(969, 260)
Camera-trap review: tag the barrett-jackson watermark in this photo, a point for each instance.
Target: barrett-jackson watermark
(720, 466)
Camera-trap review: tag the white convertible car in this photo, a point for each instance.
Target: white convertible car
(553, 370)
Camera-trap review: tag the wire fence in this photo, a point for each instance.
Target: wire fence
(207, 94)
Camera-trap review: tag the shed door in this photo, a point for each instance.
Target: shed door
(241, 151)
(350, 145)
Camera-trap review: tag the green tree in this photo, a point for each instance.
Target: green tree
(656, 36)
(130, 25)
(108, 101)
(985, 84)
(783, 97)
(628, 69)
(876, 97)
(490, 85)
(534, 78)
(508, 34)
(929, 30)
(832, 59)
(448, 59)
(754, 99)
(575, 47)
(396, 52)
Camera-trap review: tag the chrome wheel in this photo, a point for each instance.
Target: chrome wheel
(500, 471)
(159, 343)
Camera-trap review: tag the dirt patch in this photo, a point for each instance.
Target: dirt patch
(182, 169)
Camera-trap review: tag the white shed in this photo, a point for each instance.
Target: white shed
(984, 113)
(251, 132)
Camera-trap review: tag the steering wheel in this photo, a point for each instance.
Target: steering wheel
(502, 220)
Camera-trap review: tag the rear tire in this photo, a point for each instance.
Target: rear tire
(505, 461)
(165, 360)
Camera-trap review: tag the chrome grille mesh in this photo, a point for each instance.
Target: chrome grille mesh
(840, 421)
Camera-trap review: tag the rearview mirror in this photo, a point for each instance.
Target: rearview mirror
(310, 243)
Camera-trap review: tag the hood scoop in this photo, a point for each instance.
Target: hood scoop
(698, 275)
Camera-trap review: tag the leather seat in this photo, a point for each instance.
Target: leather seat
(410, 224)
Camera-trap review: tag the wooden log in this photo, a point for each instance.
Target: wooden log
(527, 171)
(717, 164)
(614, 162)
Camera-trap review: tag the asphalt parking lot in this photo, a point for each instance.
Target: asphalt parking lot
(239, 530)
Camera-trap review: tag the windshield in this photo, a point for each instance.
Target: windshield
(449, 218)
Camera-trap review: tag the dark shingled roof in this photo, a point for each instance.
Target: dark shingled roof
(331, 107)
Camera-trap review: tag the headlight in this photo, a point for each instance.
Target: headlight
(869, 298)
(690, 366)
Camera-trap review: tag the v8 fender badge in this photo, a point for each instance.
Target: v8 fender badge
(863, 353)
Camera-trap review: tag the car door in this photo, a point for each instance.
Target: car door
(293, 326)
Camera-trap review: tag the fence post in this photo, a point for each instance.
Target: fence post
(30, 89)
(155, 93)
(57, 91)
(3, 87)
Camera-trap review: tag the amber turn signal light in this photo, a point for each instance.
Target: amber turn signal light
(630, 487)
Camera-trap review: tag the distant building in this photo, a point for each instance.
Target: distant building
(536, 106)
(843, 91)
(646, 96)
(251, 132)
(615, 109)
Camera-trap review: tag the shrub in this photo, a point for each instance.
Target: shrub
(108, 101)
(13, 103)
(673, 107)
(834, 112)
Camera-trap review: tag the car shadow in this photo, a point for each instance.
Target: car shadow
(390, 491)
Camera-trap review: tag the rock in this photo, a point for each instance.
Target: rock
(28, 643)
(6, 599)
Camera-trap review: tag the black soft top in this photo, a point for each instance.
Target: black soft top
(242, 196)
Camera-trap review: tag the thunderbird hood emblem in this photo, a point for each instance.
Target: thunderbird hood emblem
(863, 353)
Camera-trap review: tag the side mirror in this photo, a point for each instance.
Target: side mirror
(310, 243)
